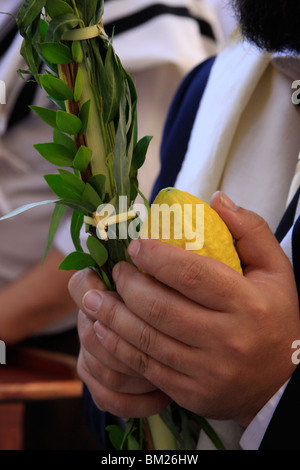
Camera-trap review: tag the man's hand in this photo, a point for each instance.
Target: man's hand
(192, 329)
(115, 387)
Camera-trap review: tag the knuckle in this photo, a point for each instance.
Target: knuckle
(142, 362)
(226, 287)
(145, 338)
(257, 308)
(261, 311)
(157, 308)
(190, 273)
(115, 346)
(260, 223)
(111, 308)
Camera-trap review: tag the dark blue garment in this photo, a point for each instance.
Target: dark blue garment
(283, 430)
(98, 420)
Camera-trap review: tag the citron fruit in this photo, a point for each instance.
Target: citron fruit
(179, 218)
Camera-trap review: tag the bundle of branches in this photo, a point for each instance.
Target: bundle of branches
(94, 126)
(96, 149)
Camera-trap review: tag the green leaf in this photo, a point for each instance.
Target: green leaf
(83, 207)
(56, 87)
(116, 435)
(91, 11)
(167, 418)
(59, 104)
(58, 7)
(131, 428)
(139, 153)
(60, 24)
(97, 69)
(131, 87)
(211, 433)
(105, 279)
(98, 182)
(28, 12)
(56, 53)
(72, 180)
(76, 225)
(25, 208)
(82, 158)
(84, 116)
(31, 58)
(68, 123)
(132, 443)
(76, 261)
(99, 10)
(91, 196)
(78, 87)
(77, 52)
(111, 85)
(57, 215)
(55, 153)
(62, 139)
(47, 115)
(97, 250)
(120, 164)
(43, 29)
(61, 188)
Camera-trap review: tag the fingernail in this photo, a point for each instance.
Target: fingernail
(134, 248)
(92, 301)
(228, 203)
(100, 330)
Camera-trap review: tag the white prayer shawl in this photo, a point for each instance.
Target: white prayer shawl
(245, 138)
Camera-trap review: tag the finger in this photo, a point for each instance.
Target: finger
(204, 280)
(255, 242)
(163, 377)
(118, 321)
(91, 344)
(81, 282)
(116, 381)
(122, 404)
(164, 309)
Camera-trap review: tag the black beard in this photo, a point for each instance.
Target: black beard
(273, 25)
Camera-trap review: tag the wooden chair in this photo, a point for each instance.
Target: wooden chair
(31, 374)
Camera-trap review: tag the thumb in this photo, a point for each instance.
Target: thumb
(255, 242)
